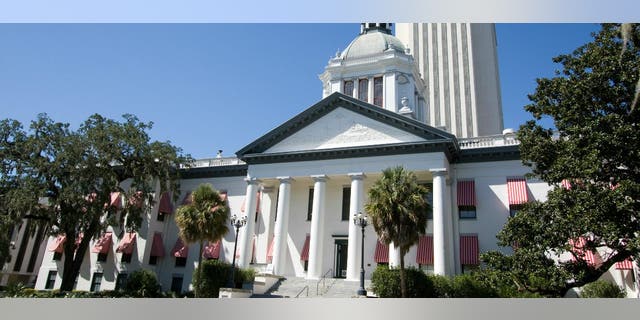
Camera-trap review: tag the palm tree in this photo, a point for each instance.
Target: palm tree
(204, 219)
(398, 212)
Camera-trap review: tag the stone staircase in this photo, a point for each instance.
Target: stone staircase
(293, 287)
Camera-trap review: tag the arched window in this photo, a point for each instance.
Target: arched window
(363, 90)
(348, 88)
(377, 91)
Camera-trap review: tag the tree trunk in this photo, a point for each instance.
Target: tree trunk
(73, 261)
(196, 289)
(403, 282)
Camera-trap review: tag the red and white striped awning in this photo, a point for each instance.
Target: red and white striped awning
(244, 203)
(180, 250)
(517, 190)
(467, 193)
(304, 254)
(157, 247)
(165, 203)
(103, 245)
(566, 184)
(116, 200)
(212, 250)
(469, 250)
(57, 245)
(425, 250)
(270, 251)
(591, 258)
(626, 264)
(126, 245)
(382, 253)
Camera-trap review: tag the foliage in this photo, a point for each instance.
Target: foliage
(204, 219)
(602, 289)
(386, 283)
(142, 283)
(398, 212)
(467, 286)
(596, 150)
(63, 179)
(215, 275)
(442, 286)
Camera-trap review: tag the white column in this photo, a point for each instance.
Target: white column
(439, 255)
(449, 241)
(394, 256)
(246, 232)
(354, 254)
(317, 219)
(281, 229)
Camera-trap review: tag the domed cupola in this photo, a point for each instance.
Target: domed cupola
(374, 39)
(378, 69)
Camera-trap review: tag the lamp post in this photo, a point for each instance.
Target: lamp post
(361, 221)
(236, 223)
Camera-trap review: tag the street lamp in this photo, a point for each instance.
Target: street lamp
(361, 221)
(236, 223)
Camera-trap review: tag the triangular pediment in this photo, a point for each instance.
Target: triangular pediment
(340, 122)
(342, 128)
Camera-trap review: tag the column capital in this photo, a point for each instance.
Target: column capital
(267, 189)
(438, 172)
(356, 175)
(285, 179)
(250, 180)
(319, 177)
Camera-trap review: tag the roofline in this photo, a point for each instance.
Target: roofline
(329, 104)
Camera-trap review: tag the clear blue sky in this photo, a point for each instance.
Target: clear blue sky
(217, 86)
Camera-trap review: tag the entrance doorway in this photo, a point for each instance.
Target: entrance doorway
(340, 258)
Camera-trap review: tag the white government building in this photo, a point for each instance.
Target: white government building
(427, 99)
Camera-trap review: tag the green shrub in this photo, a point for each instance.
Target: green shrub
(602, 289)
(467, 286)
(142, 284)
(215, 275)
(386, 283)
(442, 286)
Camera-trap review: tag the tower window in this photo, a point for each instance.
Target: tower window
(377, 91)
(348, 88)
(363, 90)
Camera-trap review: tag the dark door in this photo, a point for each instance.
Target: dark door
(341, 259)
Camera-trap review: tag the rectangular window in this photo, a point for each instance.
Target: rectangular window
(310, 205)
(469, 268)
(153, 260)
(513, 209)
(377, 91)
(306, 265)
(429, 199)
(96, 282)
(102, 257)
(57, 256)
(126, 258)
(51, 279)
(467, 212)
(160, 216)
(348, 88)
(363, 90)
(121, 281)
(181, 262)
(176, 283)
(427, 268)
(346, 203)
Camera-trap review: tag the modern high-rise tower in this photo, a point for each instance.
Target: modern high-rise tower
(458, 63)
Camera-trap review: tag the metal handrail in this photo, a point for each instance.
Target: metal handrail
(299, 293)
(324, 276)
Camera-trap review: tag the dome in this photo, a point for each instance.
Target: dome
(371, 43)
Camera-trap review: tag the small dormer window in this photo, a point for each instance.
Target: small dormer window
(348, 88)
(363, 90)
(377, 91)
